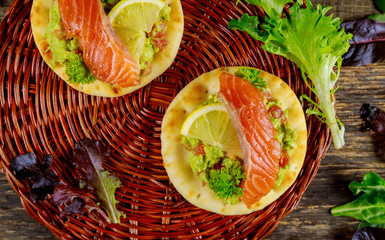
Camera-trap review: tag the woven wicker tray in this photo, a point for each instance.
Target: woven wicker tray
(41, 114)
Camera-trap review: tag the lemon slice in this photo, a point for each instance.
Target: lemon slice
(132, 19)
(212, 125)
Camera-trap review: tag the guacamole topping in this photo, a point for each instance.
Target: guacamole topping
(164, 14)
(281, 173)
(285, 134)
(147, 54)
(211, 99)
(224, 173)
(156, 40)
(65, 51)
(60, 47)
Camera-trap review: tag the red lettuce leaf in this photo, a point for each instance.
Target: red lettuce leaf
(77, 203)
(26, 167)
(374, 121)
(368, 43)
(88, 156)
(369, 233)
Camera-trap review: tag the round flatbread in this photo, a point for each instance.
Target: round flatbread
(175, 156)
(162, 60)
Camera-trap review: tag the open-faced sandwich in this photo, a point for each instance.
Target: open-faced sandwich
(234, 140)
(107, 47)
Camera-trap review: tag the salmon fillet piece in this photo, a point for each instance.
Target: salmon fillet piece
(103, 52)
(261, 150)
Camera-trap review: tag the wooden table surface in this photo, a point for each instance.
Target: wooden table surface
(311, 218)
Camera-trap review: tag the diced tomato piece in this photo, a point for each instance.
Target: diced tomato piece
(160, 38)
(275, 111)
(285, 158)
(218, 165)
(199, 150)
(267, 95)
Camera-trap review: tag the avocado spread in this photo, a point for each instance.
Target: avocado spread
(285, 134)
(60, 47)
(151, 45)
(222, 173)
(65, 51)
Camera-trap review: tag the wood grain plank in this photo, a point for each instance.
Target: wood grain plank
(348, 10)
(4, 5)
(15, 223)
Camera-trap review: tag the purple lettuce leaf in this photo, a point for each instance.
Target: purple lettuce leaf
(368, 43)
(369, 233)
(88, 156)
(26, 167)
(77, 202)
(374, 121)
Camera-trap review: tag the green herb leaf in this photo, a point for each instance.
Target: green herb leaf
(77, 71)
(109, 4)
(315, 43)
(225, 181)
(252, 75)
(369, 206)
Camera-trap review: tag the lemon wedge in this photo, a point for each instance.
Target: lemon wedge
(132, 20)
(212, 125)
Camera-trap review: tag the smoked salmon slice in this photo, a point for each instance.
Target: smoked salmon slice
(103, 52)
(261, 150)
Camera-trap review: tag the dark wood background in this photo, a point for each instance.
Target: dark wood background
(311, 218)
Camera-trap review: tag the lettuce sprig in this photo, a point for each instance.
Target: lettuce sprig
(369, 206)
(310, 39)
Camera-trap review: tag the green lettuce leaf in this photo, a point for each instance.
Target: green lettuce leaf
(371, 182)
(378, 17)
(365, 224)
(315, 43)
(370, 205)
(270, 7)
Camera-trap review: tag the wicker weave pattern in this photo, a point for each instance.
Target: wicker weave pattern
(40, 113)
